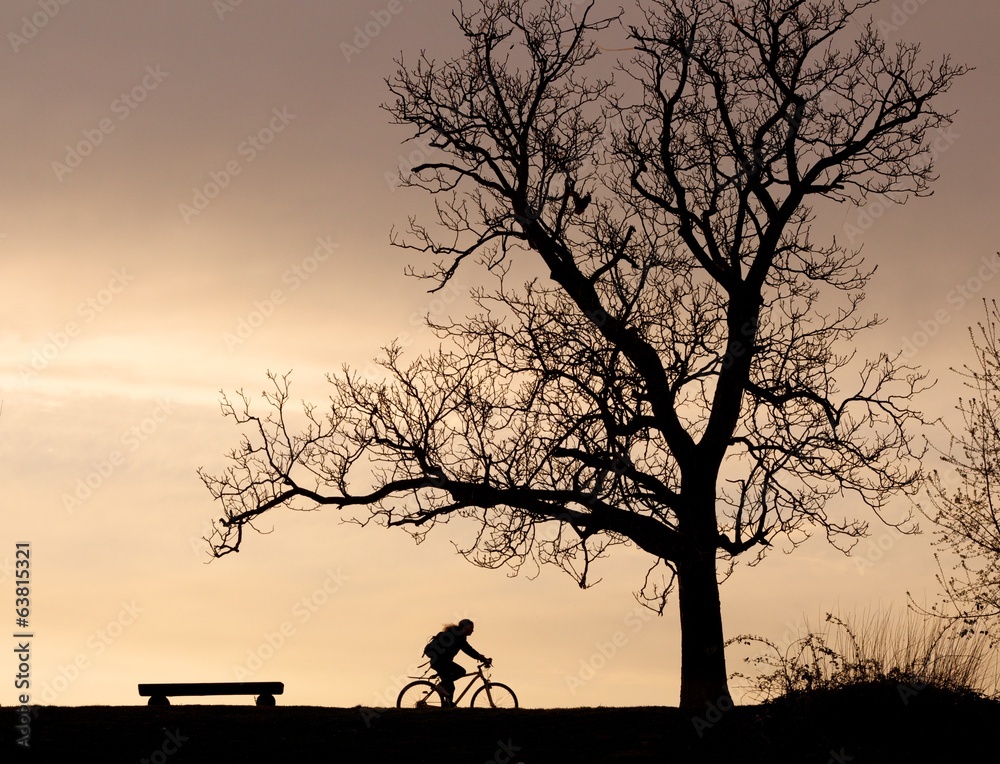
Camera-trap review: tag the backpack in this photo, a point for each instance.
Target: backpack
(438, 644)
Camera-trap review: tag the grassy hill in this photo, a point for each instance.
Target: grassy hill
(882, 723)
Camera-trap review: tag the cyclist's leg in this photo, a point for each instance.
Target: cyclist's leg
(448, 672)
(445, 680)
(457, 672)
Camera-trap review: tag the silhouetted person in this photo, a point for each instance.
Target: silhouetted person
(442, 650)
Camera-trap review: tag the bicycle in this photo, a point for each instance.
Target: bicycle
(427, 693)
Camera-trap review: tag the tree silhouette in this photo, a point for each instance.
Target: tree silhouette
(671, 368)
(968, 515)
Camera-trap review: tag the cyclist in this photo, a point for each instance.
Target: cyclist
(442, 650)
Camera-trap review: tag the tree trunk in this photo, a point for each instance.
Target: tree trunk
(704, 678)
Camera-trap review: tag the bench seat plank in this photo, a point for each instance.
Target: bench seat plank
(159, 693)
(212, 688)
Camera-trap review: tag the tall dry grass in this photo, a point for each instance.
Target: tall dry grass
(877, 647)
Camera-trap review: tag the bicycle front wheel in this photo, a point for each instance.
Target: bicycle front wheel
(420, 694)
(494, 695)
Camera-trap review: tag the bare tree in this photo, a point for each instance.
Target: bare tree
(967, 515)
(672, 366)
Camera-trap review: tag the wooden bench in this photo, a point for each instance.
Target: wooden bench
(158, 693)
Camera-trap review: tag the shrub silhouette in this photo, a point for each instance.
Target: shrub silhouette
(878, 648)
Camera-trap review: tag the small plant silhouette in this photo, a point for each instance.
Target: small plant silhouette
(882, 648)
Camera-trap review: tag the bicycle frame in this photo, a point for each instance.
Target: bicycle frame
(478, 675)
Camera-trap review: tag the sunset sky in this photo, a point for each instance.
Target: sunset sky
(194, 193)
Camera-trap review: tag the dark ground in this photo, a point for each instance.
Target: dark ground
(857, 725)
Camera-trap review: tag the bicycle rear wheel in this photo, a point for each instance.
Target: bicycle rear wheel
(420, 694)
(494, 695)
